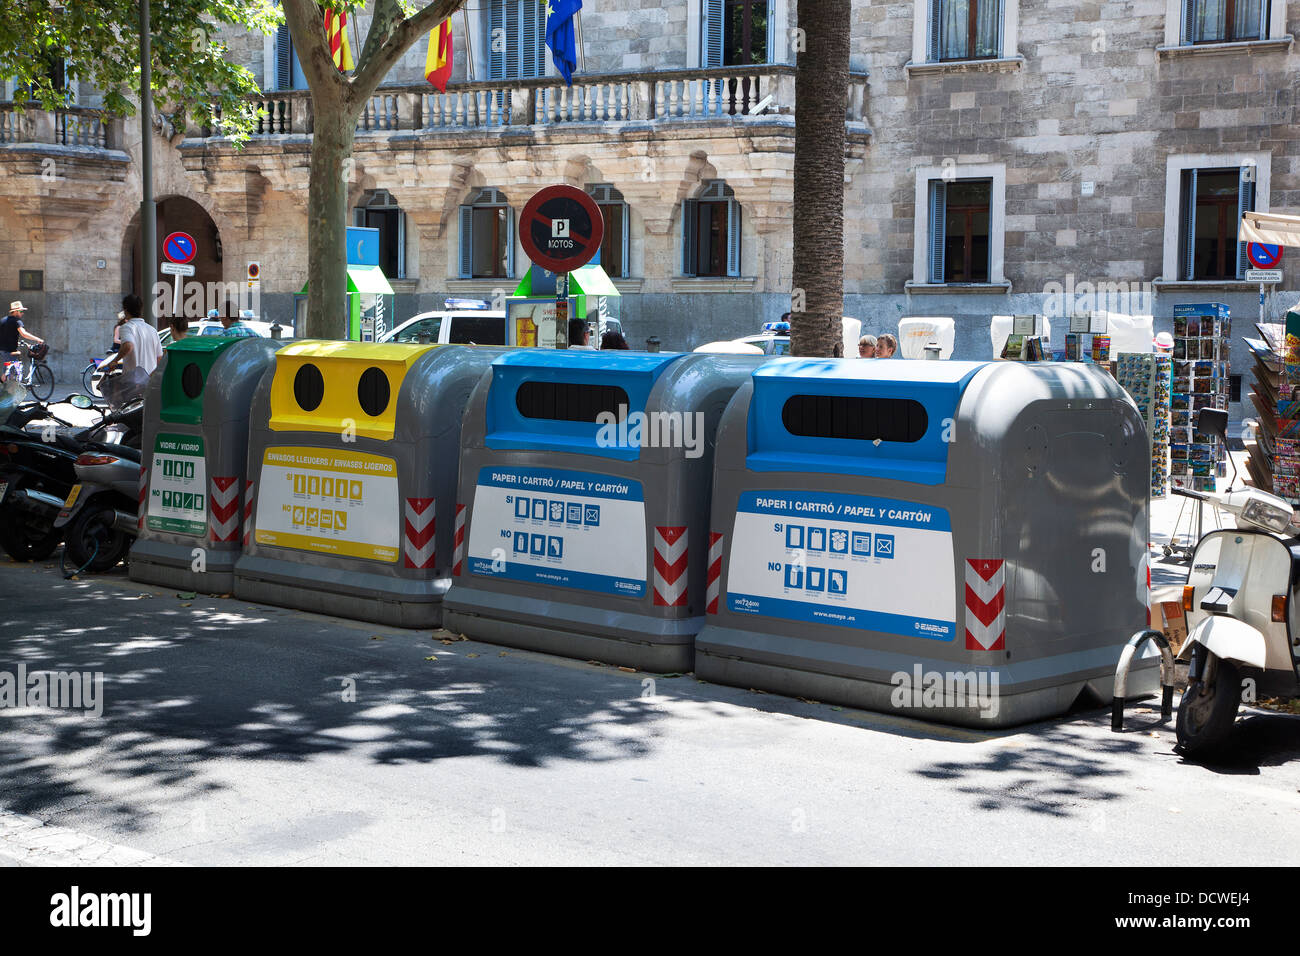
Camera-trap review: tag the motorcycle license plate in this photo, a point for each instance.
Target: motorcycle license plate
(72, 497)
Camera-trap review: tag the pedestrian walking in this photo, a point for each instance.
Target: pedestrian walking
(138, 356)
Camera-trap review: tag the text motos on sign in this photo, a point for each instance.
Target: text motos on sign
(561, 228)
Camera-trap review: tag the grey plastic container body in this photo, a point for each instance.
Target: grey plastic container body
(200, 557)
(615, 592)
(1012, 573)
(414, 515)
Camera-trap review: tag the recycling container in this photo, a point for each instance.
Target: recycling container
(195, 444)
(352, 460)
(961, 541)
(584, 498)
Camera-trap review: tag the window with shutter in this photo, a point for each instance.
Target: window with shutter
(733, 237)
(466, 241)
(1245, 204)
(690, 236)
(283, 61)
(510, 240)
(711, 28)
(938, 217)
(965, 29)
(1187, 239)
(496, 42)
(1224, 21)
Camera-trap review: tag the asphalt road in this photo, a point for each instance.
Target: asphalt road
(227, 739)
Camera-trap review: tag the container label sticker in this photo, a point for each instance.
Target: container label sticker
(570, 528)
(178, 484)
(848, 560)
(331, 502)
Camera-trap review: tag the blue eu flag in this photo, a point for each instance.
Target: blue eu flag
(560, 37)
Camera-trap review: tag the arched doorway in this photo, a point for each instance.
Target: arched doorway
(181, 214)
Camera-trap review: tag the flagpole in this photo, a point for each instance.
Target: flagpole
(582, 53)
(469, 47)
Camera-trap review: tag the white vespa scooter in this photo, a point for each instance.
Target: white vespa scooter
(1242, 601)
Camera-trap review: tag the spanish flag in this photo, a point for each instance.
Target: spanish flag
(336, 30)
(437, 66)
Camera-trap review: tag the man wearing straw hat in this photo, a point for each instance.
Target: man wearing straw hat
(11, 329)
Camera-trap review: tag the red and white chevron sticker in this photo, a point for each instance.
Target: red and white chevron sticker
(670, 567)
(248, 510)
(223, 509)
(142, 493)
(986, 618)
(715, 571)
(418, 541)
(458, 555)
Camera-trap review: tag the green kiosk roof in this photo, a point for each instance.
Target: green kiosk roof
(365, 279)
(588, 280)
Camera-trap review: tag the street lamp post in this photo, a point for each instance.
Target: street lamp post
(148, 214)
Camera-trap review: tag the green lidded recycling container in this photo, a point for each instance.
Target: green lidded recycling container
(195, 449)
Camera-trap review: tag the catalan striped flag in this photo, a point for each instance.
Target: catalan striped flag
(336, 30)
(437, 65)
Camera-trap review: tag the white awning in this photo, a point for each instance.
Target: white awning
(1269, 228)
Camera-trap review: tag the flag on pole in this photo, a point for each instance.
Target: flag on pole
(560, 36)
(336, 30)
(437, 65)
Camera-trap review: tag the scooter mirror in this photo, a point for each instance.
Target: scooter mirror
(80, 401)
(1213, 421)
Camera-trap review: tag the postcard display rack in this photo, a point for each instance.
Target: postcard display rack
(1088, 339)
(1028, 340)
(1273, 455)
(1200, 380)
(1147, 378)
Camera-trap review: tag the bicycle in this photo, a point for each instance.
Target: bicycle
(40, 377)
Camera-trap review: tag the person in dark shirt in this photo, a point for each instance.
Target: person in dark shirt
(11, 329)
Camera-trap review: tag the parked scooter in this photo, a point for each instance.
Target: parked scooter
(37, 470)
(98, 518)
(1242, 601)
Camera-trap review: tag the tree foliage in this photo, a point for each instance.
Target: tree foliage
(99, 44)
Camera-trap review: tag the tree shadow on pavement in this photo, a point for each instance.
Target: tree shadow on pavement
(207, 679)
(1049, 768)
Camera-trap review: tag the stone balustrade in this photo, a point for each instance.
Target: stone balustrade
(671, 96)
(73, 126)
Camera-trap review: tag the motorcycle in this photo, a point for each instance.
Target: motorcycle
(1242, 602)
(37, 470)
(98, 517)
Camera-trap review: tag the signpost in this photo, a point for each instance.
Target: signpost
(179, 248)
(1267, 260)
(561, 228)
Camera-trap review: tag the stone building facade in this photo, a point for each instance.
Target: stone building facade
(1073, 148)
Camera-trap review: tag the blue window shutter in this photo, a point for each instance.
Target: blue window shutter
(627, 216)
(510, 242)
(1001, 50)
(1246, 184)
(466, 242)
(733, 237)
(401, 245)
(283, 58)
(711, 32)
(512, 37)
(690, 238)
(1188, 225)
(1189, 21)
(496, 28)
(531, 31)
(771, 31)
(936, 14)
(938, 221)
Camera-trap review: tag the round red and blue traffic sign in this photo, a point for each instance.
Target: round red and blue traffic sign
(180, 247)
(561, 228)
(1263, 255)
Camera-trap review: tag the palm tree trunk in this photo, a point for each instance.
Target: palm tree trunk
(821, 100)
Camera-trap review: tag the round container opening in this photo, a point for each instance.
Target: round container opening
(373, 392)
(192, 380)
(309, 388)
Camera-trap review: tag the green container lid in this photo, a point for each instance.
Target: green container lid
(188, 363)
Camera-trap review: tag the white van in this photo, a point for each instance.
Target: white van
(458, 327)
